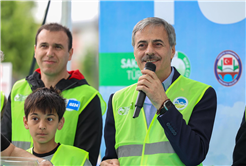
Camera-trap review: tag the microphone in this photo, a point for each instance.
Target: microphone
(141, 94)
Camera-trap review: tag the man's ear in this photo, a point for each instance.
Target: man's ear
(35, 51)
(173, 50)
(61, 123)
(25, 122)
(70, 54)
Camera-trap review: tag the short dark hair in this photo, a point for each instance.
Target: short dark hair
(56, 27)
(46, 100)
(155, 21)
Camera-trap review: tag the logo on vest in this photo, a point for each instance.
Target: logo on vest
(180, 103)
(123, 110)
(72, 105)
(20, 97)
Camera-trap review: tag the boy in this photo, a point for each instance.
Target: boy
(44, 109)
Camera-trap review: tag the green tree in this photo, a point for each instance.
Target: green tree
(89, 67)
(18, 29)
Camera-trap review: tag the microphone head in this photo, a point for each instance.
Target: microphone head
(150, 66)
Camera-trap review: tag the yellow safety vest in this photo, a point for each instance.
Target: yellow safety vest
(79, 96)
(136, 144)
(69, 155)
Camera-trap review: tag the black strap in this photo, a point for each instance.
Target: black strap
(44, 20)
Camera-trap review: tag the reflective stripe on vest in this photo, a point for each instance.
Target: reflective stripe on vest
(20, 135)
(135, 143)
(136, 150)
(21, 90)
(21, 144)
(87, 163)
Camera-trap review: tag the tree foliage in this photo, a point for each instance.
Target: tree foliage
(89, 67)
(18, 29)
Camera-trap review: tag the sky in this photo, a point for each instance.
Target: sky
(81, 10)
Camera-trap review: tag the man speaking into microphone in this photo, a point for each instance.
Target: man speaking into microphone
(141, 94)
(175, 124)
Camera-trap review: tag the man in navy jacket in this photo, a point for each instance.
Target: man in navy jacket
(154, 41)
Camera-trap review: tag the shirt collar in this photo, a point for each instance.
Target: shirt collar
(167, 82)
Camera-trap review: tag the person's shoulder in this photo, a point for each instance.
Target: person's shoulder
(128, 88)
(86, 88)
(20, 83)
(207, 89)
(72, 149)
(125, 92)
(76, 74)
(193, 83)
(243, 126)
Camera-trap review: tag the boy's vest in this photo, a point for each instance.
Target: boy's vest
(77, 99)
(68, 155)
(135, 144)
(2, 100)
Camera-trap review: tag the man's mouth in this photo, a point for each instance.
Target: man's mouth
(49, 61)
(151, 61)
(150, 58)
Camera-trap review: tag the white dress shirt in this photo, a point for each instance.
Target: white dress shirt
(148, 107)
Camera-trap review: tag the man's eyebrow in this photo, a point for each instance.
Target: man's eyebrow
(158, 40)
(142, 41)
(57, 44)
(43, 43)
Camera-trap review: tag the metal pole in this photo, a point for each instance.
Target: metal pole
(44, 20)
(66, 20)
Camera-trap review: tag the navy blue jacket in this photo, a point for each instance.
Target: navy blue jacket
(191, 142)
(239, 153)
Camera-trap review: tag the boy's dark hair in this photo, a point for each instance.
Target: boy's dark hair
(45, 99)
(56, 27)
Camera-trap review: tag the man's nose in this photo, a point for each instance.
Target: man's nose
(50, 52)
(150, 50)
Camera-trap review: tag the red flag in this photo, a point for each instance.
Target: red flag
(228, 61)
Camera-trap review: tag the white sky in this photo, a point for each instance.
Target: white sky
(81, 10)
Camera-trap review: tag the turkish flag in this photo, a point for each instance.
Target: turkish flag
(228, 61)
